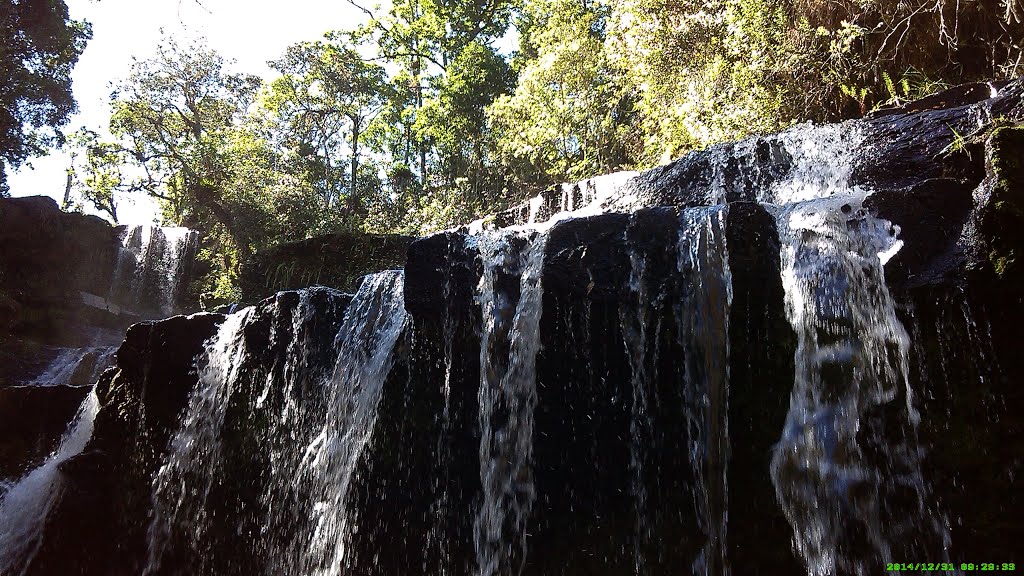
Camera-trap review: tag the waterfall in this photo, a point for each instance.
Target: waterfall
(847, 468)
(310, 416)
(635, 319)
(704, 326)
(700, 282)
(822, 161)
(151, 264)
(25, 506)
(510, 296)
(695, 370)
(76, 366)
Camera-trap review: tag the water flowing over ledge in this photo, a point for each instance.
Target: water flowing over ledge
(747, 360)
(25, 506)
(311, 415)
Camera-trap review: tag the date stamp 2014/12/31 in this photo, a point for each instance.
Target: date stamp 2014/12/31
(950, 566)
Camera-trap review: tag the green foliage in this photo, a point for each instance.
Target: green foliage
(323, 103)
(416, 121)
(39, 46)
(887, 53)
(1003, 220)
(570, 114)
(176, 124)
(454, 119)
(220, 285)
(704, 71)
(433, 137)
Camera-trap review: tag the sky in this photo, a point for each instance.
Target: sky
(126, 28)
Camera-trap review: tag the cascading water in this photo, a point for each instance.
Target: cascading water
(850, 485)
(853, 490)
(151, 264)
(372, 326)
(25, 506)
(510, 296)
(704, 325)
(147, 277)
(635, 318)
(311, 416)
(609, 403)
(76, 366)
(822, 159)
(702, 290)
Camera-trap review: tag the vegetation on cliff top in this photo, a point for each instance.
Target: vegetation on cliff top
(418, 119)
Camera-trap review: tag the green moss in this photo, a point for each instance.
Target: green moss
(1002, 263)
(1004, 220)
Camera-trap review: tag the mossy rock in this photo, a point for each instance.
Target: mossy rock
(1003, 219)
(337, 261)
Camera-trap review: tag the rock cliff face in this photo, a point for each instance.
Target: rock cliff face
(336, 260)
(796, 353)
(47, 258)
(141, 403)
(70, 284)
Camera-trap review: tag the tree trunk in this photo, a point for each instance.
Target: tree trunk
(353, 190)
(205, 197)
(67, 191)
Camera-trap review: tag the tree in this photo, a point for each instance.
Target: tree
(455, 119)
(850, 56)
(174, 122)
(445, 72)
(704, 71)
(326, 91)
(98, 180)
(569, 117)
(39, 46)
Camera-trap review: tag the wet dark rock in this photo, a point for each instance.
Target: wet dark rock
(155, 369)
(32, 421)
(962, 95)
(439, 275)
(965, 374)
(761, 351)
(22, 360)
(47, 258)
(141, 402)
(931, 217)
(906, 148)
(697, 177)
(928, 139)
(586, 257)
(336, 260)
(1001, 218)
(417, 486)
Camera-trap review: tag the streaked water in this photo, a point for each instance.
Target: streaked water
(150, 268)
(25, 506)
(79, 366)
(507, 396)
(704, 325)
(311, 421)
(847, 468)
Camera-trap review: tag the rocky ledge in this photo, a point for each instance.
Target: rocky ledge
(948, 177)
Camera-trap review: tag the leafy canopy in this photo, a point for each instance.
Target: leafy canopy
(39, 46)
